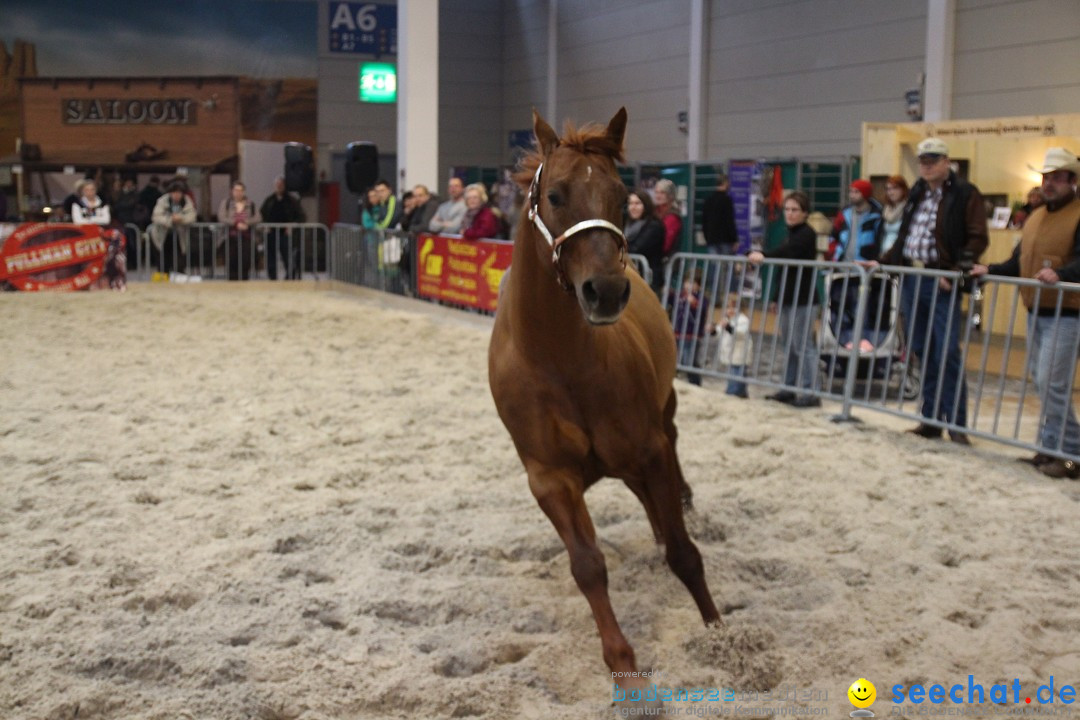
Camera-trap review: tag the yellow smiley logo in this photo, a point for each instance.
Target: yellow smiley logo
(862, 693)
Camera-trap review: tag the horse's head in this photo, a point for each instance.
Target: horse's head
(575, 203)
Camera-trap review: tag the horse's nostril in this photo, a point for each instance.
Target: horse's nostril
(589, 291)
(626, 294)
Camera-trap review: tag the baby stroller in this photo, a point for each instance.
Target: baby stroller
(888, 360)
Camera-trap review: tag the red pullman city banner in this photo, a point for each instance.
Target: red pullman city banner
(53, 256)
(459, 271)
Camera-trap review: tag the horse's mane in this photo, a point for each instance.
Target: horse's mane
(589, 139)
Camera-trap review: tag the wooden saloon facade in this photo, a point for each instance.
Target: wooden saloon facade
(130, 125)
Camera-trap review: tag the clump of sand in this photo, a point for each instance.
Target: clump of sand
(258, 502)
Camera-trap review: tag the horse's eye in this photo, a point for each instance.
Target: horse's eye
(553, 198)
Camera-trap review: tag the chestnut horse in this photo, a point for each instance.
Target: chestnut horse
(581, 365)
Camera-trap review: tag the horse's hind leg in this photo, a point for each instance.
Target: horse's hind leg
(672, 433)
(681, 553)
(650, 509)
(561, 495)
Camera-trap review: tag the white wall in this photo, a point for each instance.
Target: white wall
(342, 118)
(1016, 58)
(471, 40)
(797, 79)
(783, 78)
(470, 91)
(525, 24)
(614, 53)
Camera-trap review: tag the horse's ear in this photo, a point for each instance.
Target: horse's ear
(616, 129)
(546, 139)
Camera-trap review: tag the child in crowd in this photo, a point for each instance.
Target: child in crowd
(736, 346)
(690, 321)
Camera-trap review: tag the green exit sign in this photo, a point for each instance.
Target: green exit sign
(378, 83)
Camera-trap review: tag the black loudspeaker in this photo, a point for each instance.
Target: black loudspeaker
(361, 166)
(299, 168)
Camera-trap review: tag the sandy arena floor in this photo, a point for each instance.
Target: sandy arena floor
(224, 502)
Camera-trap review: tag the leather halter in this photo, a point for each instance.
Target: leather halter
(556, 244)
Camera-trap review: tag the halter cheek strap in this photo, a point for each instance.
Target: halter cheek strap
(557, 243)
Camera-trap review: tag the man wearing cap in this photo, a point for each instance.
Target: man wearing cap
(943, 227)
(1049, 251)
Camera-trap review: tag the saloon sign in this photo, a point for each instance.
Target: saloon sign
(130, 111)
(52, 256)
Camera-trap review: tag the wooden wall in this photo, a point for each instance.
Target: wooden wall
(211, 136)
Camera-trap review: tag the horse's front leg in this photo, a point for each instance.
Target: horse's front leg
(561, 495)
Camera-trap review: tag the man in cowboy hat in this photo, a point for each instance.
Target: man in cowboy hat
(1049, 251)
(943, 227)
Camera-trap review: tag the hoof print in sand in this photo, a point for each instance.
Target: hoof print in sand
(744, 651)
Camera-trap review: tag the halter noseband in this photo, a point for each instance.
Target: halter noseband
(556, 243)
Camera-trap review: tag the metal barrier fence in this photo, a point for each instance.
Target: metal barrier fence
(904, 341)
(641, 264)
(211, 251)
(379, 259)
(292, 250)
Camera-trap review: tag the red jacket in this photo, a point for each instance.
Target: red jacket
(672, 228)
(484, 225)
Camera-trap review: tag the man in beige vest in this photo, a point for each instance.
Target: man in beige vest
(1049, 251)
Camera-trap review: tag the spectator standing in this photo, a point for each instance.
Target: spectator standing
(667, 211)
(89, 209)
(690, 319)
(368, 209)
(645, 235)
(943, 228)
(1049, 251)
(148, 198)
(855, 230)
(408, 205)
(736, 346)
(128, 211)
(798, 294)
(479, 221)
(240, 214)
(1034, 201)
(718, 220)
(281, 207)
(173, 212)
(448, 218)
(126, 204)
(426, 207)
(855, 237)
(387, 212)
(896, 195)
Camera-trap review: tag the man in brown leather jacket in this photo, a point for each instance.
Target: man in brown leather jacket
(944, 228)
(1049, 251)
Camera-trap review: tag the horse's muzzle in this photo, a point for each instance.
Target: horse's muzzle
(603, 297)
